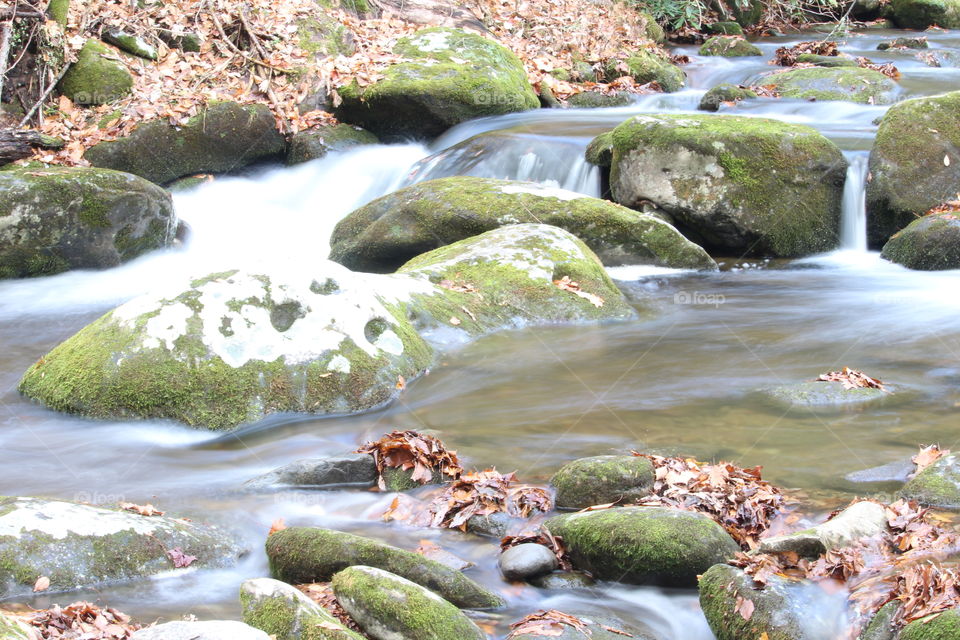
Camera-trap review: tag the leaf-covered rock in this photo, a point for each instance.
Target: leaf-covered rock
(645, 66)
(60, 218)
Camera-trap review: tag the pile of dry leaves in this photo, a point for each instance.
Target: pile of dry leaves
(787, 57)
(851, 379)
(80, 621)
(953, 206)
(736, 498)
(555, 623)
(322, 594)
(410, 450)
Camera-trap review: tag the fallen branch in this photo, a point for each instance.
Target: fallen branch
(18, 144)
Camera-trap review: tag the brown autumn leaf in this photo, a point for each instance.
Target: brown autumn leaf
(80, 621)
(787, 56)
(744, 607)
(430, 549)
(278, 525)
(180, 559)
(851, 379)
(42, 584)
(143, 510)
(322, 594)
(927, 456)
(410, 450)
(566, 284)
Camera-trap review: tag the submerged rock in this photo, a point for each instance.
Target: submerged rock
(826, 395)
(783, 609)
(317, 143)
(386, 233)
(931, 243)
(721, 93)
(937, 485)
(729, 47)
(526, 561)
(306, 554)
(602, 480)
(354, 470)
(920, 14)
(389, 607)
(447, 76)
(233, 347)
(285, 613)
(733, 184)
(594, 100)
(61, 218)
(858, 521)
(643, 545)
(864, 86)
(914, 164)
(904, 43)
(80, 546)
(896, 471)
(560, 580)
(206, 630)
(97, 77)
(223, 137)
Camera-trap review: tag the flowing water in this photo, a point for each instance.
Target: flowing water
(684, 380)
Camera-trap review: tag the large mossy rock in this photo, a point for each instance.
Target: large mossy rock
(80, 546)
(937, 485)
(447, 76)
(390, 231)
(931, 243)
(285, 613)
(224, 137)
(601, 480)
(863, 86)
(389, 607)
(97, 77)
(920, 14)
(648, 66)
(909, 173)
(729, 47)
(783, 609)
(643, 545)
(306, 554)
(507, 278)
(317, 143)
(233, 347)
(60, 218)
(942, 626)
(742, 186)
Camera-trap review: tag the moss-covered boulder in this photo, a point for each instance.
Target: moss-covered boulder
(200, 630)
(97, 77)
(58, 218)
(936, 486)
(941, 626)
(724, 93)
(822, 395)
(931, 243)
(447, 76)
(233, 347)
(914, 164)
(826, 61)
(746, 12)
(321, 35)
(648, 66)
(724, 28)
(223, 137)
(920, 14)
(882, 625)
(285, 613)
(596, 100)
(306, 554)
(514, 276)
(389, 607)
(729, 47)
(783, 609)
(77, 545)
(863, 86)
(643, 545)
(350, 470)
(130, 43)
(743, 186)
(601, 480)
(388, 232)
(317, 143)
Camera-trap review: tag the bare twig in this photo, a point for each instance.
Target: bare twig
(43, 97)
(6, 30)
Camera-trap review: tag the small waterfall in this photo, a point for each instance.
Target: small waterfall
(853, 217)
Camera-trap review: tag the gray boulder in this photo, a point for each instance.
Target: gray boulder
(525, 561)
(355, 470)
(858, 521)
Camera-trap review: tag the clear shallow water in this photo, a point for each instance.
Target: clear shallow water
(683, 380)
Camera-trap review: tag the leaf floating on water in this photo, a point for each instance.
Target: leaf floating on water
(412, 450)
(567, 284)
(852, 379)
(143, 510)
(180, 559)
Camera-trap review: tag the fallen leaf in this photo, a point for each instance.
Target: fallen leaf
(42, 584)
(179, 558)
(278, 525)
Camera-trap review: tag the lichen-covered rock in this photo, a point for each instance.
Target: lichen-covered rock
(914, 164)
(942, 626)
(388, 232)
(130, 43)
(743, 186)
(826, 61)
(223, 137)
(860, 520)
(827, 395)
(931, 243)
(601, 480)
(595, 100)
(648, 66)
(643, 545)
(721, 93)
(60, 218)
(920, 14)
(76, 545)
(528, 560)
(355, 470)
(507, 278)
(864, 86)
(285, 613)
(233, 347)
(205, 630)
(97, 77)
(317, 143)
(306, 554)
(729, 47)
(389, 607)
(783, 609)
(447, 76)
(936, 486)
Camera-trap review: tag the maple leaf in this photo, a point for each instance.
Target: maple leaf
(143, 510)
(278, 525)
